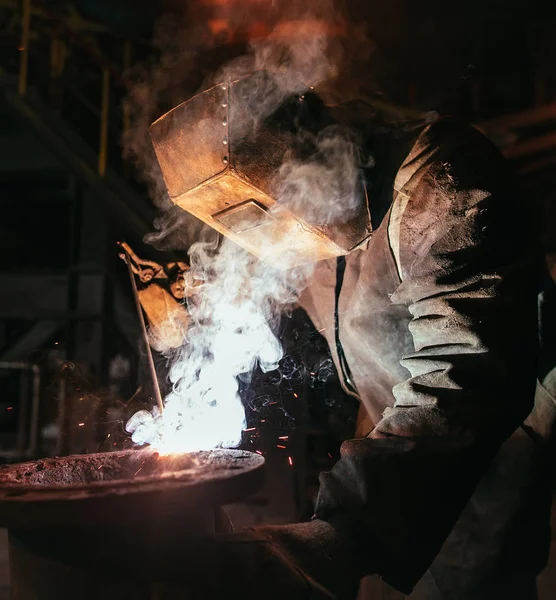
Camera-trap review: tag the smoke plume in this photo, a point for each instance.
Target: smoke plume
(234, 318)
(324, 189)
(239, 299)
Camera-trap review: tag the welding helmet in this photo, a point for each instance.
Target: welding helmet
(236, 155)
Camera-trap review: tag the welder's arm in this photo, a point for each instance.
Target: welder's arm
(467, 277)
(167, 318)
(167, 315)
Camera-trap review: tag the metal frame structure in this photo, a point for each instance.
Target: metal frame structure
(28, 426)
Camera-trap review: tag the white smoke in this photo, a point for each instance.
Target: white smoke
(235, 310)
(233, 322)
(324, 189)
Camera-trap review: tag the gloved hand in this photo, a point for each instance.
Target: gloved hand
(294, 562)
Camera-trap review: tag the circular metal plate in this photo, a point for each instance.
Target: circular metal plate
(123, 488)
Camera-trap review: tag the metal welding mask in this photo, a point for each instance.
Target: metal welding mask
(220, 153)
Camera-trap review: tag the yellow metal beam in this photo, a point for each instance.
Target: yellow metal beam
(103, 142)
(125, 105)
(24, 47)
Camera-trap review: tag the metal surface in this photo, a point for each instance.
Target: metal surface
(115, 526)
(121, 489)
(220, 154)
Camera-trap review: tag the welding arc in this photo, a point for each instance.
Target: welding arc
(157, 393)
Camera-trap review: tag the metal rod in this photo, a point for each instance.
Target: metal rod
(61, 441)
(536, 145)
(53, 56)
(103, 142)
(35, 406)
(157, 393)
(57, 57)
(24, 47)
(125, 105)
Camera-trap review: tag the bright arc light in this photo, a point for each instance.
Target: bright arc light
(231, 331)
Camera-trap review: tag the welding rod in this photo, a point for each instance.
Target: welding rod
(157, 393)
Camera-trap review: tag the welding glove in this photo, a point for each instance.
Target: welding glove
(298, 562)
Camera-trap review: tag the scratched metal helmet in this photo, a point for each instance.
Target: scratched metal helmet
(221, 153)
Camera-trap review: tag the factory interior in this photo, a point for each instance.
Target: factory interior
(98, 295)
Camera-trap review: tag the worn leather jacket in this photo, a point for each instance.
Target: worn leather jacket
(433, 325)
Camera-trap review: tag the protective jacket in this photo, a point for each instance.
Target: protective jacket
(433, 324)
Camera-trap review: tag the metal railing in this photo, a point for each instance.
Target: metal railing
(79, 73)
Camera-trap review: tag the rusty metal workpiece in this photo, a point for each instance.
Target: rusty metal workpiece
(120, 488)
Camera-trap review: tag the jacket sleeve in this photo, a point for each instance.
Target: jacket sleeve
(468, 277)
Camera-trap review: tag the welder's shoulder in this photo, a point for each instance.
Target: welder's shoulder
(449, 154)
(450, 164)
(456, 147)
(453, 184)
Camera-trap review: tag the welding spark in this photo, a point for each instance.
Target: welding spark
(290, 461)
(278, 446)
(139, 469)
(81, 424)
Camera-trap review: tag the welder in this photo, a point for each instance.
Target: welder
(427, 290)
